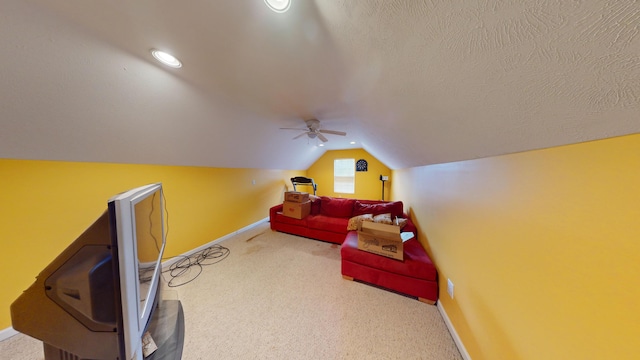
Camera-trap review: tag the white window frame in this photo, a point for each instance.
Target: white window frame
(344, 176)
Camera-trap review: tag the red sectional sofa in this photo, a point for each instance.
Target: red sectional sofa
(415, 276)
(330, 216)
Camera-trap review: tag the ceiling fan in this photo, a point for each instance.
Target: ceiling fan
(313, 131)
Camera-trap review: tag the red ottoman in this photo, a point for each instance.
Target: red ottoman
(415, 276)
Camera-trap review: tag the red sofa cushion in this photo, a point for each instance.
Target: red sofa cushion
(416, 262)
(394, 207)
(328, 223)
(279, 217)
(336, 207)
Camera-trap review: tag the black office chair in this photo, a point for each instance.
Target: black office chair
(301, 180)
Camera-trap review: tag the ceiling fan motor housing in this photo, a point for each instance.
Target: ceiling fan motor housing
(313, 124)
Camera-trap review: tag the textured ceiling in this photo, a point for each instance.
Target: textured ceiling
(412, 82)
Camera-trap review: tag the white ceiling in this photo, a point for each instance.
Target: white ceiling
(412, 82)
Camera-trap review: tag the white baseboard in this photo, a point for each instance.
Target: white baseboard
(168, 263)
(454, 334)
(7, 333)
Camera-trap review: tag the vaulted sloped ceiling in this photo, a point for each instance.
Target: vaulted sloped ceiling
(412, 82)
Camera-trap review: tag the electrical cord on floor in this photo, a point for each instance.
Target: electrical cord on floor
(194, 263)
(183, 267)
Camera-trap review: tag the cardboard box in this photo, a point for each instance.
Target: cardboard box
(295, 196)
(383, 239)
(296, 210)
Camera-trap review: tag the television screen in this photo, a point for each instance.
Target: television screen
(95, 300)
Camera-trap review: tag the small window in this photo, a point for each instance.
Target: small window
(344, 176)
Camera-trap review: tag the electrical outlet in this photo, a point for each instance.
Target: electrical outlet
(253, 182)
(450, 287)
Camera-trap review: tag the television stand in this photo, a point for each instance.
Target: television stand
(167, 330)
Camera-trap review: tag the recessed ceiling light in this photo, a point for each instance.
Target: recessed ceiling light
(166, 58)
(352, 143)
(278, 6)
(320, 144)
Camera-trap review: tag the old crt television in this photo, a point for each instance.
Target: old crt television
(95, 300)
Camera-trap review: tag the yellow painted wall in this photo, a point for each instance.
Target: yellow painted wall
(543, 248)
(368, 184)
(45, 205)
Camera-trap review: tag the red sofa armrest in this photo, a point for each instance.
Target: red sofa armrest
(275, 209)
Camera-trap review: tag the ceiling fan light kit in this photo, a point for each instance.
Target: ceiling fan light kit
(313, 131)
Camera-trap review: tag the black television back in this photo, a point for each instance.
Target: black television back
(74, 306)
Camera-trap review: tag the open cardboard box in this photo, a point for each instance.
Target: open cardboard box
(383, 239)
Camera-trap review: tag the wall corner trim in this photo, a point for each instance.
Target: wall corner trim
(453, 332)
(7, 333)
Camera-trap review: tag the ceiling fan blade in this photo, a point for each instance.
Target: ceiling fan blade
(301, 135)
(324, 139)
(342, 133)
(294, 129)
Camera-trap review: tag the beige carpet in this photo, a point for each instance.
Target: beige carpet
(278, 296)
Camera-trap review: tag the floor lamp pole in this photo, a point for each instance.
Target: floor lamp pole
(383, 179)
